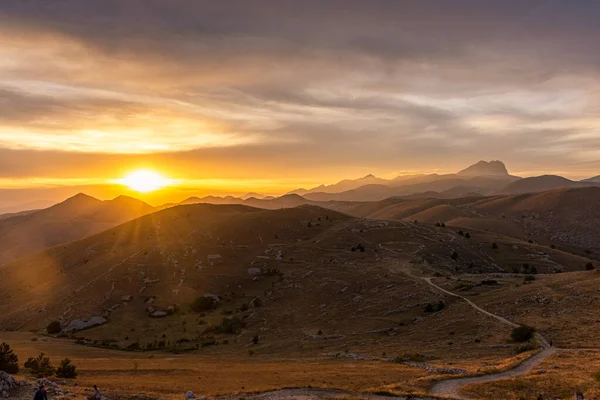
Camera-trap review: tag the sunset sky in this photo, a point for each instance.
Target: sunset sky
(232, 96)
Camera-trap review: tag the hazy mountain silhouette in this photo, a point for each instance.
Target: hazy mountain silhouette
(77, 217)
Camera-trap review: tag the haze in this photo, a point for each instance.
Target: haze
(268, 96)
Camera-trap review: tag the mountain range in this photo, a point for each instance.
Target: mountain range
(72, 219)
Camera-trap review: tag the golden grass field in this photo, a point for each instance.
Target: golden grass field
(170, 376)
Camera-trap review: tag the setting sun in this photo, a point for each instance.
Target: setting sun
(144, 181)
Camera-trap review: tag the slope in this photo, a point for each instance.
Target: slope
(73, 219)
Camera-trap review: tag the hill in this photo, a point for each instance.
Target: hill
(73, 219)
(540, 184)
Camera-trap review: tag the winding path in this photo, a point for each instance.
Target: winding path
(451, 387)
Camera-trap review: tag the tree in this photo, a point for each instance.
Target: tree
(53, 327)
(589, 266)
(40, 366)
(66, 369)
(231, 325)
(204, 303)
(9, 362)
(522, 333)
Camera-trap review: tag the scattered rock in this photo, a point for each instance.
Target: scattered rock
(78, 324)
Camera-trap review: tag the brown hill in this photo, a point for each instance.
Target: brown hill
(73, 219)
(540, 184)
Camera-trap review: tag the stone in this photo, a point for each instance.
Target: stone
(254, 271)
(78, 324)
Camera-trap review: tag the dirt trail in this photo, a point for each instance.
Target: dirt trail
(451, 387)
(314, 394)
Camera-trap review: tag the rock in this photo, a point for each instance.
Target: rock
(213, 296)
(190, 395)
(254, 271)
(126, 298)
(158, 314)
(78, 324)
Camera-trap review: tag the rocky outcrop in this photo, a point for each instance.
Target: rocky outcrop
(78, 324)
(8, 384)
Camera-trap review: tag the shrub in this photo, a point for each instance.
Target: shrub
(40, 366)
(231, 325)
(66, 369)
(525, 347)
(461, 233)
(589, 266)
(468, 235)
(53, 327)
(439, 306)
(529, 278)
(494, 246)
(412, 357)
(203, 304)
(257, 302)
(522, 334)
(255, 339)
(454, 256)
(9, 362)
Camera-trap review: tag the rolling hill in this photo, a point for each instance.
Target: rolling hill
(74, 218)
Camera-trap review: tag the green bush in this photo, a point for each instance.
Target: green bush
(231, 325)
(53, 327)
(66, 370)
(203, 304)
(522, 334)
(9, 362)
(434, 307)
(40, 366)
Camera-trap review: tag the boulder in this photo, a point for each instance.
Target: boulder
(78, 324)
(254, 271)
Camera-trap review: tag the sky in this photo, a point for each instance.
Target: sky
(233, 96)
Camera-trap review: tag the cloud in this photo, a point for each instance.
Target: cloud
(212, 87)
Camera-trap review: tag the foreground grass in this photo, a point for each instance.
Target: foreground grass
(559, 376)
(169, 376)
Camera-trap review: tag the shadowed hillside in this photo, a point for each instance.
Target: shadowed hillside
(75, 218)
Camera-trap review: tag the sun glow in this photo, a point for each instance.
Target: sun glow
(144, 181)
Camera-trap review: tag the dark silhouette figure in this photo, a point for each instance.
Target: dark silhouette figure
(41, 394)
(97, 395)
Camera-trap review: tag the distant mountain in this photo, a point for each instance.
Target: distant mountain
(595, 179)
(270, 203)
(253, 194)
(72, 219)
(16, 214)
(344, 185)
(540, 184)
(28, 206)
(485, 168)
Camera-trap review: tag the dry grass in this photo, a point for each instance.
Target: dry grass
(169, 376)
(558, 377)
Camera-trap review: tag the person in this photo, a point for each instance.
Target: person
(41, 394)
(97, 395)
